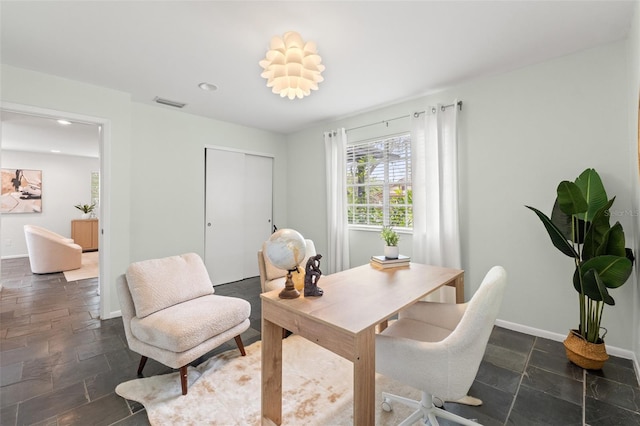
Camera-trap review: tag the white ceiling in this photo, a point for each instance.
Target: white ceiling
(33, 133)
(375, 52)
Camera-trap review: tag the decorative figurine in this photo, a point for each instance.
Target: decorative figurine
(312, 276)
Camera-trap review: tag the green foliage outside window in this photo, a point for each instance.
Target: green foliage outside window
(379, 183)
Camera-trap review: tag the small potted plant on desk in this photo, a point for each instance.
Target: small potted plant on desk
(391, 238)
(579, 228)
(86, 209)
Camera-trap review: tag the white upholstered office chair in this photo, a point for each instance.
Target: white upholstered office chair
(272, 278)
(437, 348)
(170, 313)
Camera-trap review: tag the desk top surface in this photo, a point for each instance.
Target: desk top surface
(362, 297)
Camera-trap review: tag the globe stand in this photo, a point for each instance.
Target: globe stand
(289, 291)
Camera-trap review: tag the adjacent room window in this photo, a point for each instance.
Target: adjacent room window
(95, 188)
(379, 182)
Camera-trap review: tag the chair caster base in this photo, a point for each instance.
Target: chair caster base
(386, 405)
(425, 410)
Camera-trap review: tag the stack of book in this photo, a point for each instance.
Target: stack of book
(384, 263)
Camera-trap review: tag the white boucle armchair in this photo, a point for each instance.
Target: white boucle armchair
(171, 314)
(437, 348)
(51, 252)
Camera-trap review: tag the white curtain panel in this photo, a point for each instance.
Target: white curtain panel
(335, 143)
(434, 152)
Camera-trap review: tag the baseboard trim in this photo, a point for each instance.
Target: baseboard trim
(14, 256)
(611, 350)
(113, 314)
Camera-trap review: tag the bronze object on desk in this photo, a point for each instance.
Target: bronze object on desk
(312, 276)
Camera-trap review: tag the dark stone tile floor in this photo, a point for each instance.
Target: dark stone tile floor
(60, 364)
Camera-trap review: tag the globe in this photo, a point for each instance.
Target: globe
(286, 249)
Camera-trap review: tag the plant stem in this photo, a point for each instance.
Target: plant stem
(576, 245)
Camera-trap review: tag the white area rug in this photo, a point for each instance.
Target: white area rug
(317, 389)
(89, 268)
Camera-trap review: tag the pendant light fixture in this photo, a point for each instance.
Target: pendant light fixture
(292, 67)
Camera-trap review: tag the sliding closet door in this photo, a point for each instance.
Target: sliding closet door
(238, 213)
(258, 199)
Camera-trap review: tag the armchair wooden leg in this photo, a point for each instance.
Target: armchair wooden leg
(240, 345)
(143, 361)
(183, 378)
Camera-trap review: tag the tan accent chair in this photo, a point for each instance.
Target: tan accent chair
(272, 278)
(171, 314)
(437, 348)
(51, 252)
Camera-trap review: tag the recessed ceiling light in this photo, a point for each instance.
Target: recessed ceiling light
(64, 122)
(56, 151)
(208, 87)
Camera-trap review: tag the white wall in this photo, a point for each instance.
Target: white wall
(521, 133)
(168, 177)
(66, 181)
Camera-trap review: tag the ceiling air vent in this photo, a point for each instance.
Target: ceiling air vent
(163, 101)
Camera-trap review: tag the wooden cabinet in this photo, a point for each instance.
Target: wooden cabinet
(85, 233)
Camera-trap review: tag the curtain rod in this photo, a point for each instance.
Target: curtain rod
(415, 114)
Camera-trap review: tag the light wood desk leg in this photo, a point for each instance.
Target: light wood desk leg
(364, 379)
(459, 285)
(271, 373)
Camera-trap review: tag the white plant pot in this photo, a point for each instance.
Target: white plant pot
(86, 215)
(391, 252)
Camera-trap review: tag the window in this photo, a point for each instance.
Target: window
(379, 182)
(95, 188)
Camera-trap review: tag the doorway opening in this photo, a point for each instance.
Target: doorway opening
(70, 156)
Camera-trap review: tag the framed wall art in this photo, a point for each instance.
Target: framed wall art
(21, 191)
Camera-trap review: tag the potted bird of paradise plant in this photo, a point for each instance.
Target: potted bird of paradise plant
(579, 227)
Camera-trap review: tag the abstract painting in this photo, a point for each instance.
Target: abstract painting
(21, 191)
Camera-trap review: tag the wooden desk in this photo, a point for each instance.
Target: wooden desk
(343, 320)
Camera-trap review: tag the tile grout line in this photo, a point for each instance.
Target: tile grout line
(524, 371)
(584, 397)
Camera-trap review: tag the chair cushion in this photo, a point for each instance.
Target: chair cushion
(188, 324)
(276, 284)
(157, 284)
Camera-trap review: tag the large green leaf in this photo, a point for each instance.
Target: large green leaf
(593, 191)
(613, 270)
(557, 238)
(595, 289)
(570, 198)
(629, 254)
(563, 222)
(613, 242)
(598, 228)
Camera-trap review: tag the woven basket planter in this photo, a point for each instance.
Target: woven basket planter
(590, 356)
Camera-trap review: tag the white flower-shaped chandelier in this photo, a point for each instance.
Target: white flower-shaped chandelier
(292, 67)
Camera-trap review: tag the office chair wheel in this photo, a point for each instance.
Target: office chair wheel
(386, 405)
(438, 402)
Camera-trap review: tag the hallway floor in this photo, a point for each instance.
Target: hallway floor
(60, 364)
